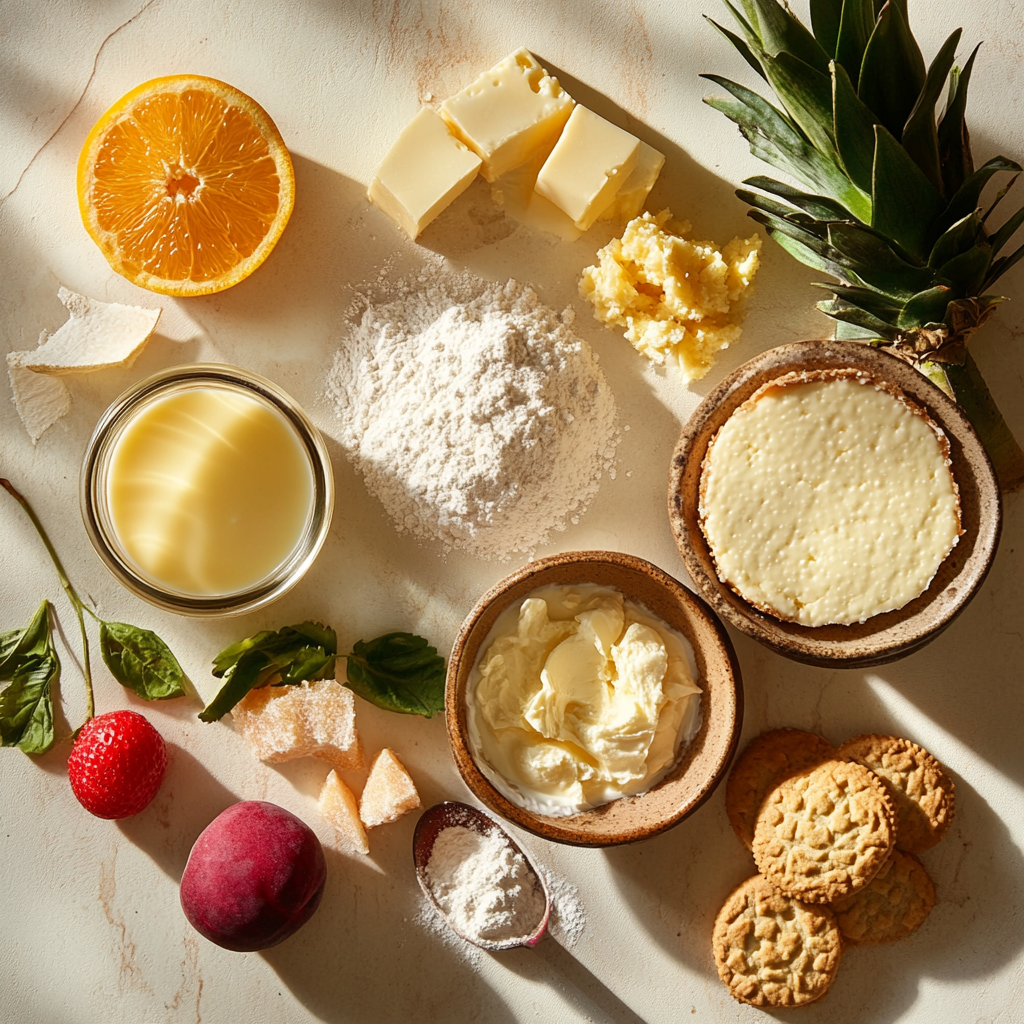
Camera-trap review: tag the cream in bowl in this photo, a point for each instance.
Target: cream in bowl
(580, 697)
(206, 490)
(827, 498)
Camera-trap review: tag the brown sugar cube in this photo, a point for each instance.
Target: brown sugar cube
(338, 805)
(389, 792)
(311, 719)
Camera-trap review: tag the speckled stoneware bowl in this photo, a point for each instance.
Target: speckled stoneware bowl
(704, 760)
(881, 638)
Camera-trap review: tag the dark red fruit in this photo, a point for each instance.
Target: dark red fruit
(255, 876)
(117, 764)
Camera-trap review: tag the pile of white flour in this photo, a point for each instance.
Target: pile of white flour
(484, 886)
(474, 414)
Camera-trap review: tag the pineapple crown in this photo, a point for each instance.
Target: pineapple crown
(894, 208)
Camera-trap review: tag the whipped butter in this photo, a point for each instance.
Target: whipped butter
(579, 697)
(827, 499)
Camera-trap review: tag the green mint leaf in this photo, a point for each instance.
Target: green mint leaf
(398, 672)
(253, 662)
(139, 660)
(28, 660)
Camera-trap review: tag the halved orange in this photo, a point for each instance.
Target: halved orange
(185, 185)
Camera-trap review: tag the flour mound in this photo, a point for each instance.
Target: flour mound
(475, 415)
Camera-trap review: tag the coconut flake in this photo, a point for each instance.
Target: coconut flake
(39, 399)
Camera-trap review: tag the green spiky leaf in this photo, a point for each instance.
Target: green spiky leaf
(954, 139)
(904, 203)
(963, 235)
(741, 46)
(920, 137)
(809, 258)
(967, 197)
(885, 307)
(814, 206)
(781, 31)
(851, 314)
(858, 21)
(1007, 231)
(892, 72)
(854, 126)
(926, 307)
(966, 273)
(806, 95)
(826, 16)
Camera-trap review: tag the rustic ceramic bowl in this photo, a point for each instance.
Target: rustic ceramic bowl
(704, 760)
(881, 638)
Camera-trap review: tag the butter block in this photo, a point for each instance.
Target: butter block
(590, 163)
(630, 199)
(425, 170)
(508, 113)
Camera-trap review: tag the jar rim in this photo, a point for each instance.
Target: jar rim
(111, 425)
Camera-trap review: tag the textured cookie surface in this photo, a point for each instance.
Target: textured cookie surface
(921, 790)
(766, 761)
(772, 950)
(825, 834)
(895, 904)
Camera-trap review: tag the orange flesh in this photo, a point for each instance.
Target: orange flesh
(186, 185)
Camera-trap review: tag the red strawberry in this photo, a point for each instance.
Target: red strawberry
(117, 764)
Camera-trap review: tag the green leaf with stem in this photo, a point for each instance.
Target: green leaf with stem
(139, 660)
(398, 672)
(31, 666)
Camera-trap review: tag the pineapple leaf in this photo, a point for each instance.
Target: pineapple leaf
(925, 307)
(1007, 231)
(745, 52)
(801, 252)
(967, 271)
(826, 16)
(1001, 266)
(851, 314)
(817, 207)
(1000, 196)
(854, 129)
(959, 238)
(866, 254)
(968, 195)
(772, 206)
(882, 306)
(904, 203)
(954, 139)
(855, 28)
(920, 137)
(775, 139)
(792, 229)
(780, 31)
(806, 95)
(892, 72)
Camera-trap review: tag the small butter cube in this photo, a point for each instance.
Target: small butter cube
(389, 792)
(509, 113)
(630, 199)
(589, 164)
(424, 171)
(338, 805)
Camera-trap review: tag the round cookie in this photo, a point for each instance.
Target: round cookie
(920, 789)
(766, 761)
(895, 904)
(826, 833)
(772, 950)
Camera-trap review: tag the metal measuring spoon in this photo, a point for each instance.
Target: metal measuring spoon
(451, 814)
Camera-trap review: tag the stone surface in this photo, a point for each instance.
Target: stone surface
(93, 930)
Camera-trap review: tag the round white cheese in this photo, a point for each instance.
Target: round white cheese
(828, 500)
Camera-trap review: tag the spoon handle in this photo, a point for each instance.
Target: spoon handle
(596, 999)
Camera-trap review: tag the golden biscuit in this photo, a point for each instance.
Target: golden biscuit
(895, 904)
(772, 950)
(920, 789)
(825, 834)
(768, 760)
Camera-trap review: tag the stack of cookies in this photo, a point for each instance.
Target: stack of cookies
(834, 833)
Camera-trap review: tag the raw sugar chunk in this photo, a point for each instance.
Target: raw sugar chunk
(338, 806)
(389, 792)
(311, 719)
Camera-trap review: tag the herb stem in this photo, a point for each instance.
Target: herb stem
(76, 601)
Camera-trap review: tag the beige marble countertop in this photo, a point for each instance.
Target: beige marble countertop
(91, 925)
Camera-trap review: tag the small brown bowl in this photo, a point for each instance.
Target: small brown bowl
(705, 758)
(884, 637)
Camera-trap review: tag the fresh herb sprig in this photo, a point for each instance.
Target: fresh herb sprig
(398, 672)
(137, 658)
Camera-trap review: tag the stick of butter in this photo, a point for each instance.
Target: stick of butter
(591, 161)
(508, 113)
(424, 171)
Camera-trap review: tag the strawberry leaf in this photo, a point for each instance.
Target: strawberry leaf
(29, 662)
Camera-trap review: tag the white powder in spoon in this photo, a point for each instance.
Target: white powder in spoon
(486, 888)
(475, 415)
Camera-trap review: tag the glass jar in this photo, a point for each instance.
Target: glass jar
(242, 393)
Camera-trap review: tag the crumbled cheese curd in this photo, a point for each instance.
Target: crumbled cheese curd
(679, 300)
